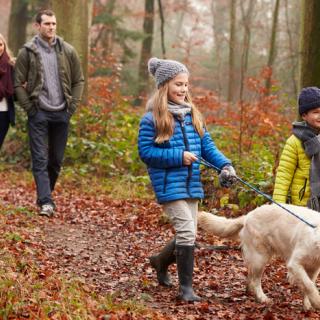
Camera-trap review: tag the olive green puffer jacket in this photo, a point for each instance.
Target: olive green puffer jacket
(29, 75)
(293, 174)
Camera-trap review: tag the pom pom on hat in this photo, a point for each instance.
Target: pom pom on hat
(164, 70)
(309, 98)
(153, 65)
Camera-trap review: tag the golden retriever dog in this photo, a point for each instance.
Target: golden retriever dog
(270, 230)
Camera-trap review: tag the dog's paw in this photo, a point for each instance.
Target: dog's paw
(315, 304)
(306, 304)
(263, 299)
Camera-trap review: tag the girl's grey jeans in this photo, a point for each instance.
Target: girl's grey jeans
(183, 215)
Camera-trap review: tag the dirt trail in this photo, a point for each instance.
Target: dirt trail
(107, 243)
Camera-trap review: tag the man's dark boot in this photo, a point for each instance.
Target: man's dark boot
(162, 261)
(185, 260)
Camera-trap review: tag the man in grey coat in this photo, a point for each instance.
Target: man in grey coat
(48, 84)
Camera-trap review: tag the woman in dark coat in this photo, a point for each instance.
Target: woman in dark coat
(7, 113)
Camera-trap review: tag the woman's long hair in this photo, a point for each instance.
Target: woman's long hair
(7, 50)
(164, 122)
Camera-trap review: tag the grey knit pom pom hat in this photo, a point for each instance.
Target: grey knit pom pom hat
(165, 70)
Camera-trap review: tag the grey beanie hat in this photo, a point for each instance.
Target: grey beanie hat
(164, 70)
(309, 98)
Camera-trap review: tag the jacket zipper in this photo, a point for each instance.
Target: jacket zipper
(186, 144)
(165, 181)
(303, 190)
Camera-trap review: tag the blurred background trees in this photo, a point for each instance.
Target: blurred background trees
(214, 37)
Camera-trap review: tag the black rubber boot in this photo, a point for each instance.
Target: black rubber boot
(162, 261)
(185, 260)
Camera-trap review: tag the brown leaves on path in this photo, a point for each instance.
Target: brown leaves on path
(106, 243)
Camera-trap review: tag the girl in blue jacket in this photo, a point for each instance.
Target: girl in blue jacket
(172, 136)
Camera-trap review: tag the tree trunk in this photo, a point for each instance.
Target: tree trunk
(75, 29)
(217, 50)
(272, 49)
(232, 43)
(146, 48)
(39, 4)
(106, 35)
(90, 14)
(18, 25)
(246, 17)
(163, 47)
(5, 6)
(178, 26)
(293, 57)
(310, 44)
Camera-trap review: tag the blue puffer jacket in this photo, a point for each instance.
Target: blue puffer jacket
(170, 178)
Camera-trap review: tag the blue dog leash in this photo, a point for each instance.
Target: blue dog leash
(210, 165)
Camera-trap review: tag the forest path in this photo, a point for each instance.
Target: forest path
(107, 242)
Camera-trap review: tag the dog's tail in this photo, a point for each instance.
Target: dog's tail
(220, 226)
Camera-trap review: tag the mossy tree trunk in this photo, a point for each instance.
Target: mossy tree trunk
(18, 21)
(73, 18)
(310, 44)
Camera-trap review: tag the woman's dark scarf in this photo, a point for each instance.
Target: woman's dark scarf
(6, 81)
(310, 139)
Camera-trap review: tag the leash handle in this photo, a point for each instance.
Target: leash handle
(210, 165)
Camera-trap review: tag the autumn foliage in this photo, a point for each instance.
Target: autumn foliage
(259, 118)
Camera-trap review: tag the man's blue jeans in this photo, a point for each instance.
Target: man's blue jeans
(48, 134)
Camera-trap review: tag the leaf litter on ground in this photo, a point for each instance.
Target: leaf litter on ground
(91, 262)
